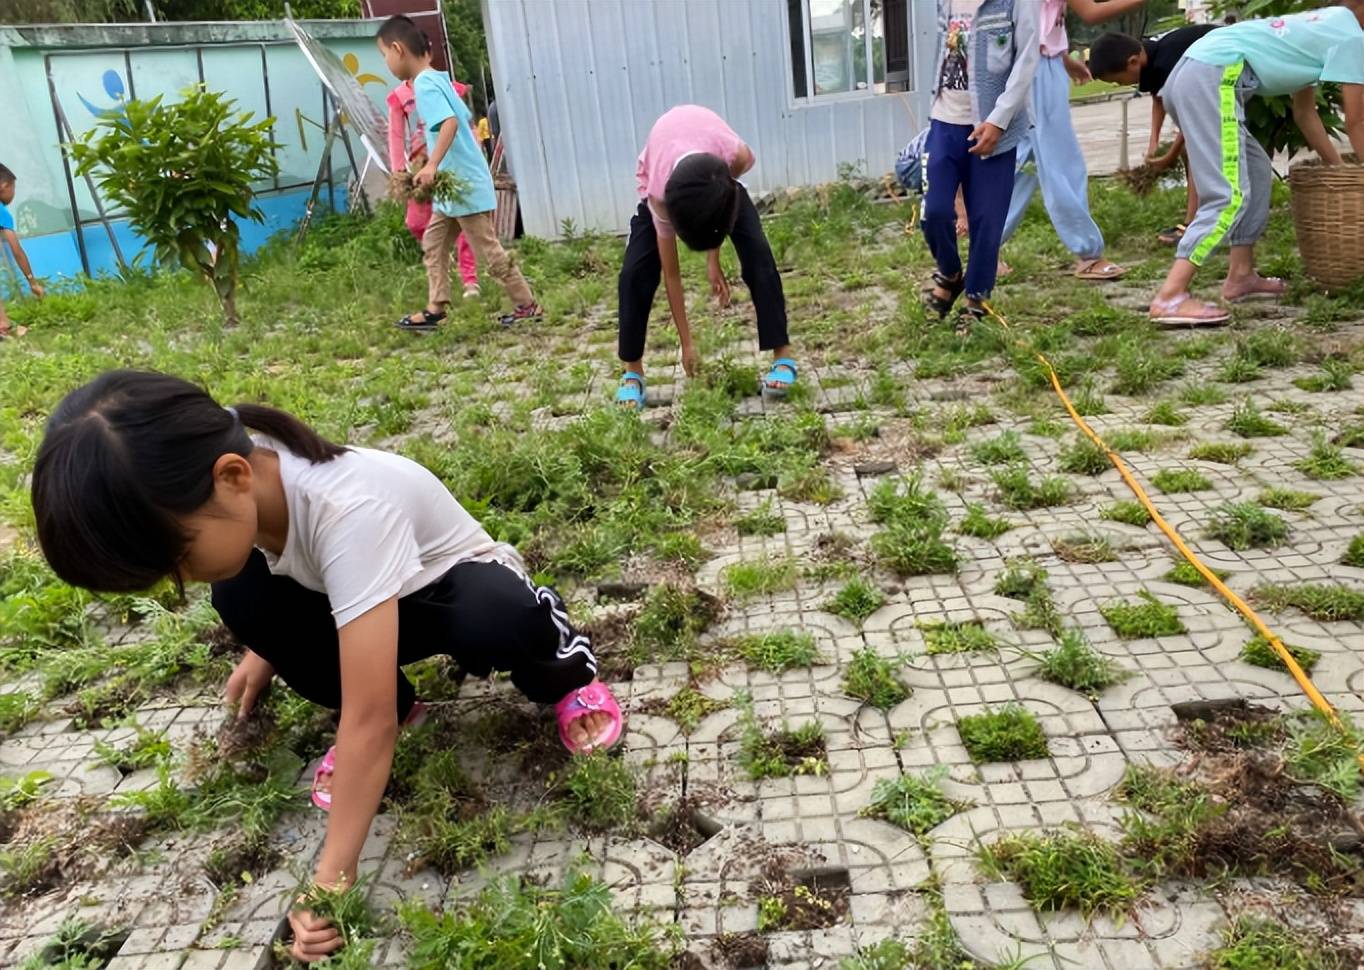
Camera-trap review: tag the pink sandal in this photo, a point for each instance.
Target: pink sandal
(327, 766)
(1171, 313)
(596, 696)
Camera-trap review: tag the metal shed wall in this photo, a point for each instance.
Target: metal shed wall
(580, 82)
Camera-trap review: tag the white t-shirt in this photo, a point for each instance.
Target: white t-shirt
(369, 525)
(953, 104)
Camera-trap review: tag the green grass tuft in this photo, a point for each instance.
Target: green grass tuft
(1004, 449)
(761, 521)
(1173, 481)
(1247, 421)
(1245, 525)
(871, 678)
(1166, 413)
(1018, 491)
(1184, 573)
(1326, 462)
(1008, 734)
(1258, 652)
(1084, 457)
(964, 637)
(1064, 869)
(778, 650)
(746, 580)
(1354, 553)
(1127, 512)
(916, 803)
(1147, 618)
(1260, 943)
(1221, 452)
(1075, 664)
(1287, 499)
(1320, 601)
(856, 601)
(980, 525)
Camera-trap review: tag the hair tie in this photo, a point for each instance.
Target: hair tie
(233, 411)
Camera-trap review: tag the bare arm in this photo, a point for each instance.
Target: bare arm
(677, 299)
(20, 257)
(1308, 120)
(1101, 11)
(1354, 117)
(743, 162)
(1157, 125)
(364, 739)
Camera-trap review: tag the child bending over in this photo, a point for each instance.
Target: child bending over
(7, 188)
(335, 567)
(689, 189)
(1206, 95)
(988, 52)
(451, 147)
(1120, 59)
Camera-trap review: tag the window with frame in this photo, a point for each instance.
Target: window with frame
(842, 47)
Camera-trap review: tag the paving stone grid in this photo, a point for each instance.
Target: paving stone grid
(163, 896)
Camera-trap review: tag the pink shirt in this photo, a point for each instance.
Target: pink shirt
(688, 129)
(402, 105)
(1055, 42)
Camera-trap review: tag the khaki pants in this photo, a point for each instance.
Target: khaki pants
(439, 239)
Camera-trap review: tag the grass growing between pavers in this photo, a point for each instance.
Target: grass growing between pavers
(1063, 869)
(857, 600)
(782, 752)
(1259, 653)
(872, 679)
(1008, 734)
(1255, 942)
(916, 803)
(1245, 525)
(1321, 601)
(1148, 617)
(1075, 664)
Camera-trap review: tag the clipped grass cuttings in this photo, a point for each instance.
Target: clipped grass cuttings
(1008, 734)
(1259, 653)
(1245, 525)
(871, 678)
(916, 803)
(857, 600)
(1147, 618)
(1064, 869)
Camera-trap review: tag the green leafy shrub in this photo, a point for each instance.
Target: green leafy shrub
(184, 173)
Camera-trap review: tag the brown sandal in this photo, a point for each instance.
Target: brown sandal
(1099, 270)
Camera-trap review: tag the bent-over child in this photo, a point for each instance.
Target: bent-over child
(689, 189)
(8, 184)
(334, 566)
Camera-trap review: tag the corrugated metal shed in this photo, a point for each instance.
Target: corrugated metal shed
(580, 82)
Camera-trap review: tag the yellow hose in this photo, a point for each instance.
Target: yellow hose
(1241, 606)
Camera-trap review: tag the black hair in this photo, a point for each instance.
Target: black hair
(404, 30)
(702, 200)
(127, 454)
(1110, 53)
(6, 176)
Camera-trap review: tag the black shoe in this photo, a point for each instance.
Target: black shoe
(423, 322)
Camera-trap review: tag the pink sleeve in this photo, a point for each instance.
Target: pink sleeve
(726, 143)
(397, 133)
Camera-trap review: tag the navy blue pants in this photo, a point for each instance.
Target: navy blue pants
(987, 184)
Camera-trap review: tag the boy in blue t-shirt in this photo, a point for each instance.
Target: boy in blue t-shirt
(1206, 93)
(451, 147)
(11, 238)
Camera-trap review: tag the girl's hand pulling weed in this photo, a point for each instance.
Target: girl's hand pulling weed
(691, 360)
(314, 937)
(427, 175)
(250, 678)
(719, 286)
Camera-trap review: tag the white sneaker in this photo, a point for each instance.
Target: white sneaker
(472, 292)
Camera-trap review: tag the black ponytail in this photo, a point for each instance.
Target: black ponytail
(128, 454)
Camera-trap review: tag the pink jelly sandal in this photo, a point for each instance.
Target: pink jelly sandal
(596, 696)
(327, 766)
(1172, 313)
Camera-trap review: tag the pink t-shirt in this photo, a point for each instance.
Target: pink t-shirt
(1055, 42)
(688, 129)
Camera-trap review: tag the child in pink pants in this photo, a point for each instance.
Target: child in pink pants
(401, 107)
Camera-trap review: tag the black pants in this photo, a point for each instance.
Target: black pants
(484, 615)
(642, 269)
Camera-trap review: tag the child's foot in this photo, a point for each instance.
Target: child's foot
(471, 291)
(1253, 287)
(630, 394)
(1002, 269)
(523, 314)
(967, 317)
(945, 291)
(1182, 310)
(423, 322)
(589, 719)
(322, 777)
(1172, 235)
(1099, 269)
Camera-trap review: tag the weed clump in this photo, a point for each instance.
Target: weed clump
(1247, 422)
(968, 636)
(670, 622)
(1259, 653)
(1064, 869)
(1254, 942)
(1245, 525)
(1018, 491)
(1320, 601)
(1008, 734)
(1084, 457)
(1088, 547)
(778, 651)
(745, 580)
(916, 803)
(1354, 553)
(780, 753)
(979, 524)
(1005, 449)
(872, 679)
(856, 601)
(1147, 618)
(688, 708)
(1185, 573)
(1221, 452)
(1287, 499)
(1075, 664)
(761, 521)
(599, 791)
(913, 520)
(1175, 480)
(1126, 512)
(1326, 462)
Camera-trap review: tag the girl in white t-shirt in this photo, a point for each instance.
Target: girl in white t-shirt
(334, 566)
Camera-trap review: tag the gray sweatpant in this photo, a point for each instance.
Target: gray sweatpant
(1230, 170)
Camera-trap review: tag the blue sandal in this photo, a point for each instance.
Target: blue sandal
(776, 384)
(630, 394)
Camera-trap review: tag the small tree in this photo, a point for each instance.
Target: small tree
(184, 173)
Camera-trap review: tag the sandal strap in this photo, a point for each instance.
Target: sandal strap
(953, 286)
(787, 363)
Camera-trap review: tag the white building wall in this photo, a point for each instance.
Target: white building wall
(580, 82)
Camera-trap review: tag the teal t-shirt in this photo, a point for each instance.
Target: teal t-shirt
(1290, 53)
(437, 104)
(6, 218)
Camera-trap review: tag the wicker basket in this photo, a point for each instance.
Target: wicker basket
(1328, 212)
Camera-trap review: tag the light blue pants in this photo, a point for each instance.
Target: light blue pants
(1059, 164)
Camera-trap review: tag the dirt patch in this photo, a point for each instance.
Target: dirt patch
(740, 951)
(519, 731)
(1234, 728)
(221, 643)
(59, 842)
(239, 856)
(682, 826)
(610, 635)
(804, 899)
